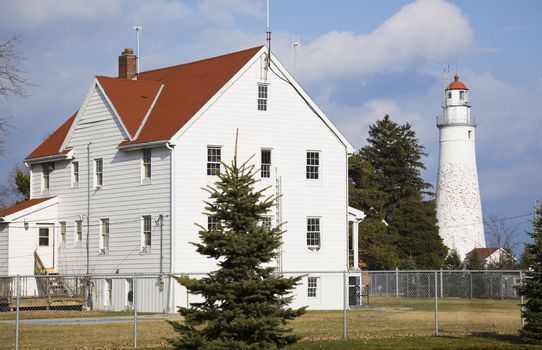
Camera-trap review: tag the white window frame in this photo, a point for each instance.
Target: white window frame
(262, 104)
(265, 168)
(314, 236)
(213, 165)
(146, 231)
(129, 288)
(62, 232)
(98, 173)
(146, 165)
(78, 237)
(75, 174)
(104, 236)
(313, 165)
(212, 223)
(313, 287)
(48, 236)
(267, 221)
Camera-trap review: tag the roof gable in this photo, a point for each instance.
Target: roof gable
(187, 87)
(483, 253)
(131, 99)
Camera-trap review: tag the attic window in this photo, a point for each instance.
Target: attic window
(262, 97)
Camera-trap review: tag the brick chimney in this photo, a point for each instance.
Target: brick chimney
(127, 64)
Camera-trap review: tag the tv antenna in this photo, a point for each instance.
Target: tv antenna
(268, 32)
(138, 30)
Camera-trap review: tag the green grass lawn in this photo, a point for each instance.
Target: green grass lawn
(385, 323)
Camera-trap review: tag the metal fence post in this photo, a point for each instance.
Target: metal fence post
(441, 285)
(397, 282)
(521, 300)
(18, 291)
(470, 274)
(436, 303)
(345, 289)
(135, 295)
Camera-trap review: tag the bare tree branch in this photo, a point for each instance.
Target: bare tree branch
(11, 75)
(499, 234)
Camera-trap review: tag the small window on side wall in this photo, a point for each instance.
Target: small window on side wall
(265, 171)
(98, 172)
(75, 174)
(213, 160)
(313, 165)
(146, 165)
(262, 97)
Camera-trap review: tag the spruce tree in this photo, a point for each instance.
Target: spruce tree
(453, 261)
(396, 192)
(245, 300)
(531, 288)
(475, 262)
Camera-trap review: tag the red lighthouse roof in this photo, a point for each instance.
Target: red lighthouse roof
(456, 84)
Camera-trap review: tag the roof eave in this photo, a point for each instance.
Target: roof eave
(50, 158)
(142, 145)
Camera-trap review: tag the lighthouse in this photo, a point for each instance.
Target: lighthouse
(459, 211)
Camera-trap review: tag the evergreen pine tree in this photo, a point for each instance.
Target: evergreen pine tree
(453, 261)
(396, 192)
(245, 301)
(531, 288)
(474, 262)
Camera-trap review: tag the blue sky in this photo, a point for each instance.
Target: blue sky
(358, 60)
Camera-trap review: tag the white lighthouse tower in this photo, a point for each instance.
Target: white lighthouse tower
(459, 211)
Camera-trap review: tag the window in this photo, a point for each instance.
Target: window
(212, 223)
(146, 164)
(63, 232)
(46, 174)
(470, 134)
(262, 97)
(108, 292)
(213, 160)
(312, 287)
(78, 231)
(265, 171)
(461, 95)
(449, 94)
(44, 237)
(104, 236)
(313, 233)
(98, 172)
(75, 174)
(146, 237)
(267, 221)
(313, 165)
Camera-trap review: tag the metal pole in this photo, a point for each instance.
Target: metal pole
(18, 290)
(470, 274)
(134, 293)
(521, 300)
(441, 285)
(344, 303)
(436, 303)
(397, 282)
(502, 287)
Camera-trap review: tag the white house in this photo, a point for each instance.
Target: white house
(118, 187)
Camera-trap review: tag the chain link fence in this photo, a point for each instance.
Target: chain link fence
(130, 311)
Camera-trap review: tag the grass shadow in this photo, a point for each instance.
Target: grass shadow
(508, 338)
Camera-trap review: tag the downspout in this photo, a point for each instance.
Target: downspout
(171, 287)
(89, 293)
(346, 209)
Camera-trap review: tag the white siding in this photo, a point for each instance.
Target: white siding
(289, 128)
(4, 249)
(122, 198)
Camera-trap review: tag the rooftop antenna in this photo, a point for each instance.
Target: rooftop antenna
(138, 30)
(295, 45)
(268, 63)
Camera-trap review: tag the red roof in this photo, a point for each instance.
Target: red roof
(483, 253)
(52, 144)
(131, 99)
(23, 205)
(456, 84)
(187, 87)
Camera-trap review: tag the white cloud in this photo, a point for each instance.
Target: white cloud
(224, 12)
(426, 29)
